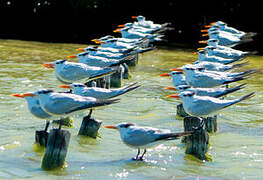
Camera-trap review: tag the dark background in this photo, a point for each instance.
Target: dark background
(78, 21)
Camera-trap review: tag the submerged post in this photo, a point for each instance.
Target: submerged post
(180, 111)
(57, 148)
(134, 62)
(41, 136)
(116, 78)
(196, 144)
(89, 126)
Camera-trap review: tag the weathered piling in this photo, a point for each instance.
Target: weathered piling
(134, 62)
(89, 126)
(100, 82)
(41, 136)
(57, 148)
(116, 78)
(196, 144)
(126, 71)
(210, 122)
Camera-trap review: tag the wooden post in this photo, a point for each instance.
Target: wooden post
(116, 78)
(196, 144)
(41, 136)
(126, 71)
(134, 62)
(89, 126)
(180, 111)
(100, 82)
(211, 124)
(57, 148)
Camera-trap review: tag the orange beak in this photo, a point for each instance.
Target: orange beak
(48, 65)
(110, 127)
(165, 74)
(80, 49)
(204, 30)
(177, 69)
(72, 56)
(200, 49)
(117, 30)
(94, 40)
(23, 95)
(207, 26)
(173, 96)
(121, 26)
(204, 42)
(99, 42)
(134, 17)
(64, 86)
(205, 35)
(195, 53)
(171, 88)
(212, 23)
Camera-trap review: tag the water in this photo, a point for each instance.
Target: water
(236, 150)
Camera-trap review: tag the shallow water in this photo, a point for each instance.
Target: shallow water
(236, 150)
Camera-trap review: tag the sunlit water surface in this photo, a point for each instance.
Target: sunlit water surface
(236, 150)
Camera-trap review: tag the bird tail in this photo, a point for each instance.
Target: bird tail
(249, 35)
(246, 73)
(172, 136)
(235, 80)
(239, 65)
(104, 102)
(127, 89)
(250, 95)
(230, 90)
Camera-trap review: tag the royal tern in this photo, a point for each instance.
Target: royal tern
(197, 78)
(213, 51)
(99, 93)
(34, 107)
(63, 104)
(224, 27)
(178, 77)
(204, 105)
(214, 66)
(212, 92)
(99, 61)
(148, 24)
(69, 72)
(203, 56)
(140, 137)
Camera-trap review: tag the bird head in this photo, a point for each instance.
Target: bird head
(74, 86)
(185, 95)
(121, 127)
(55, 64)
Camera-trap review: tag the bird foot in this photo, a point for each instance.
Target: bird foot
(137, 158)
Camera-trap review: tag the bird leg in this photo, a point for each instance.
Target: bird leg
(141, 158)
(137, 156)
(47, 125)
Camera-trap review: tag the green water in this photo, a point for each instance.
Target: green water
(236, 150)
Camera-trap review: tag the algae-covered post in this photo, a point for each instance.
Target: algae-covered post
(89, 126)
(196, 144)
(57, 148)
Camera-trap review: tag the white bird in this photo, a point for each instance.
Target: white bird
(212, 92)
(98, 61)
(141, 137)
(99, 93)
(123, 40)
(64, 104)
(34, 107)
(203, 56)
(224, 27)
(69, 72)
(199, 67)
(204, 105)
(226, 39)
(214, 66)
(147, 23)
(197, 78)
(178, 77)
